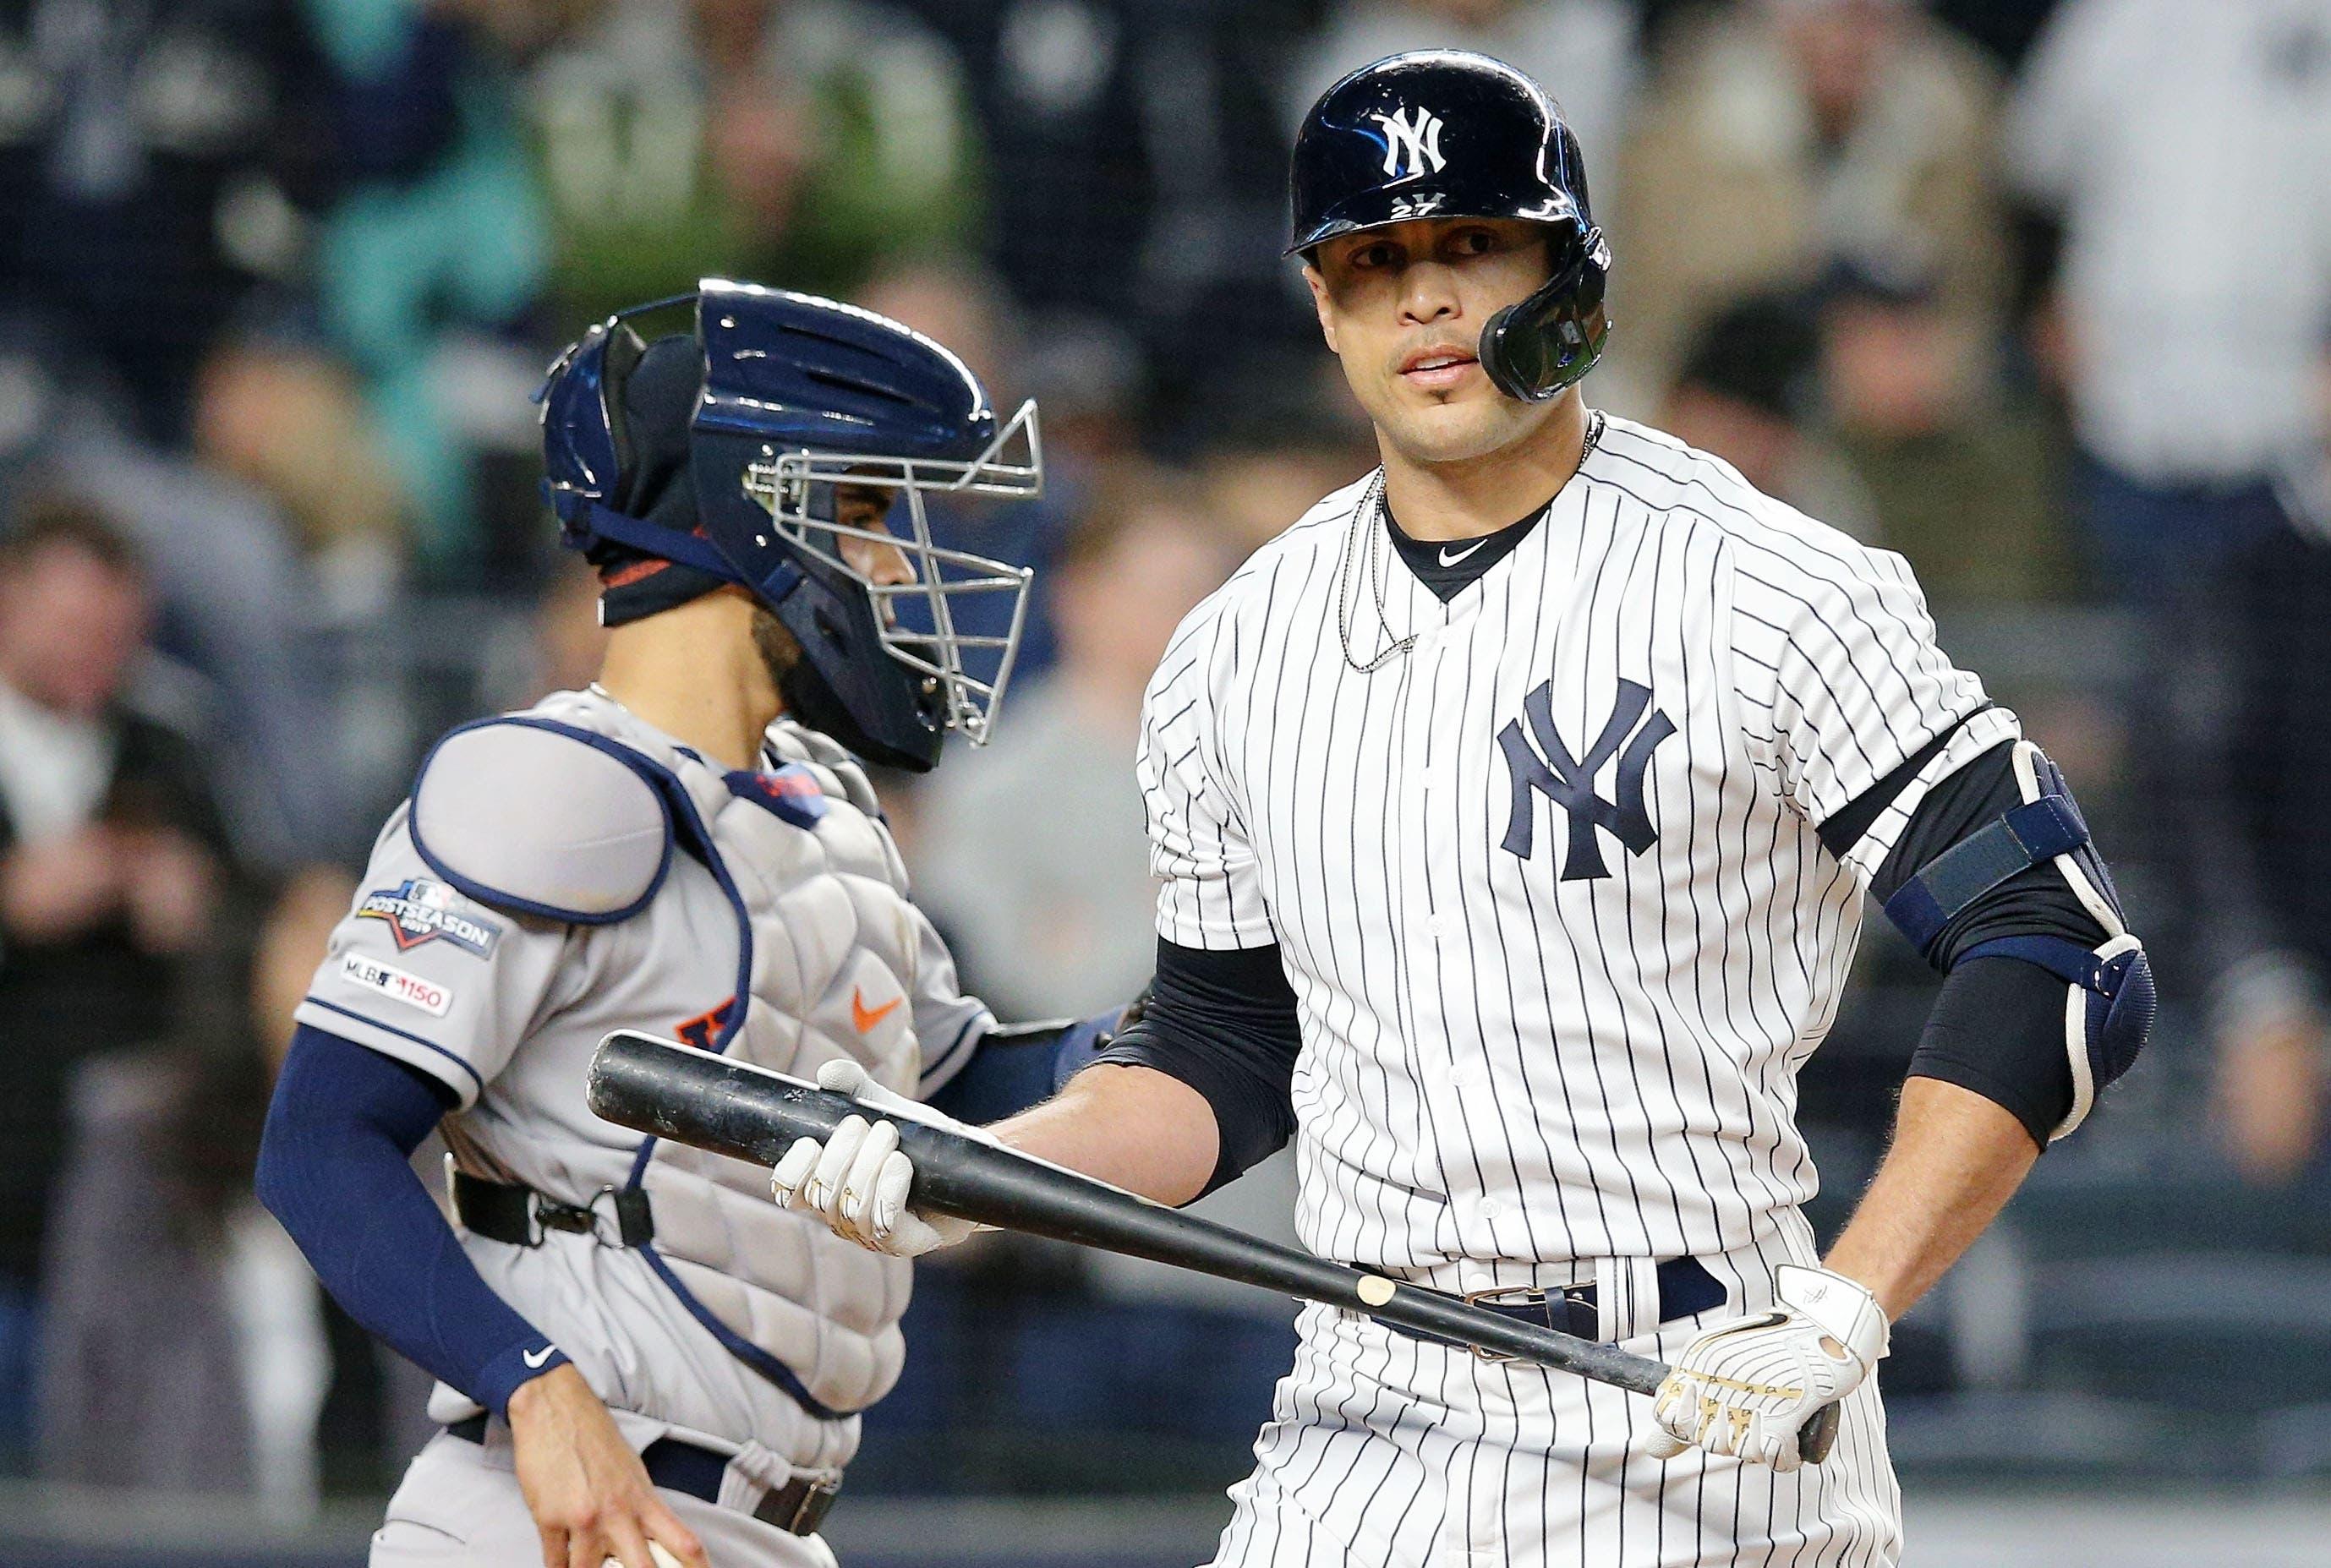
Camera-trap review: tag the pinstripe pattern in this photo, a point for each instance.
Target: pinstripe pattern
(1512, 1069)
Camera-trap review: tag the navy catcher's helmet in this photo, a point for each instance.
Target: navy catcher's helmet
(795, 395)
(1444, 133)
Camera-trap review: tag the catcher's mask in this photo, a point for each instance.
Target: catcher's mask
(801, 394)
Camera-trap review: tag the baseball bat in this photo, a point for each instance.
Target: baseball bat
(749, 1112)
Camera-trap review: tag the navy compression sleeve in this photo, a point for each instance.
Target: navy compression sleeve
(336, 1168)
(1225, 1024)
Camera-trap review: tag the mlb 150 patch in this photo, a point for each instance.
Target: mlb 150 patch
(402, 984)
(418, 910)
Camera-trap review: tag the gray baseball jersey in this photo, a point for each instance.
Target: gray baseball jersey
(614, 880)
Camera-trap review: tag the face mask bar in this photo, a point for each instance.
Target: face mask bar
(918, 618)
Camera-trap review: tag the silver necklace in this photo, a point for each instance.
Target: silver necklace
(1365, 536)
(1368, 537)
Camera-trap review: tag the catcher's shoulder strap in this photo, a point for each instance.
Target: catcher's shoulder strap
(540, 817)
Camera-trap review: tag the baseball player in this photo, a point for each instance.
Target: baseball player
(634, 1346)
(1515, 810)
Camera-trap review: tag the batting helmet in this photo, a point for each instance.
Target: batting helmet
(792, 397)
(1444, 133)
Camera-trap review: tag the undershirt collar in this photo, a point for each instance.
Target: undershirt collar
(1450, 567)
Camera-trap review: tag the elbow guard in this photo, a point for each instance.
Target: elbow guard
(2110, 998)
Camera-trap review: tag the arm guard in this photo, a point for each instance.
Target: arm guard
(1976, 900)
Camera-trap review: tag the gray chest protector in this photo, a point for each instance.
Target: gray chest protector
(827, 952)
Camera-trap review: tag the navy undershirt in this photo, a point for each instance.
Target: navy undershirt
(1450, 567)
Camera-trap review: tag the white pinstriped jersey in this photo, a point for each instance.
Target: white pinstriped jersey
(1546, 881)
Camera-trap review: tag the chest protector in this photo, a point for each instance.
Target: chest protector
(826, 954)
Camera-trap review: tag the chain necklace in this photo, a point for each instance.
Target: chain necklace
(1366, 536)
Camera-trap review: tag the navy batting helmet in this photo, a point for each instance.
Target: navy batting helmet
(1444, 133)
(783, 397)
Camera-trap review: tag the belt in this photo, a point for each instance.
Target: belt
(521, 1216)
(797, 1508)
(1686, 1287)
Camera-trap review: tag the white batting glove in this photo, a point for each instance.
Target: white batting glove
(1744, 1388)
(857, 1180)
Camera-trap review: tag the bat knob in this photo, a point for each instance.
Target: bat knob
(1819, 1434)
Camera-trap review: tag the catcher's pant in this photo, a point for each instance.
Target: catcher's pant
(458, 1504)
(1386, 1452)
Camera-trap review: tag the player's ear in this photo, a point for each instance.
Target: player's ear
(1320, 305)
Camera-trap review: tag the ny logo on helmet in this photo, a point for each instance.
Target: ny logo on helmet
(1569, 782)
(1412, 142)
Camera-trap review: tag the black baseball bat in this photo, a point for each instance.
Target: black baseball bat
(749, 1113)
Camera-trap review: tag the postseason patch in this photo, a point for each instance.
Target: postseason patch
(419, 910)
(402, 984)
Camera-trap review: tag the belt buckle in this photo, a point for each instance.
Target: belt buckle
(1516, 1295)
(612, 1229)
(817, 1497)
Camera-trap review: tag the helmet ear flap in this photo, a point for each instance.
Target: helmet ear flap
(1536, 347)
(625, 348)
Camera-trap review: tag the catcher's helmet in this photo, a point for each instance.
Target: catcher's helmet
(798, 395)
(1444, 133)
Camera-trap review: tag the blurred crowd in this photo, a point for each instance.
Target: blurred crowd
(2037, 294)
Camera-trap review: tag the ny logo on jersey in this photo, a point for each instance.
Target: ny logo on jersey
(1551, 771)
(1412, 142)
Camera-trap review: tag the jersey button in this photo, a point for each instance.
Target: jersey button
(1440, 927)
(1491, 1208)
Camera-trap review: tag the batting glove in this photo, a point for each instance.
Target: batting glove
(857, 1180)
(1744, 1388)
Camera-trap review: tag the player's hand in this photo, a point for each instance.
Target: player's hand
(590, 1496)
(1744, 1388)
(170, 890)
(858, 1181)
(2271, 1093)
(57, 888)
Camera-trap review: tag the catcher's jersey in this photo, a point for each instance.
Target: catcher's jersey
(506, 1008)
(1542, 860)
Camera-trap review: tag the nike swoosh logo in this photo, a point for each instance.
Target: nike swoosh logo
(1448, 560)
(535, 1358)
(866, 1017)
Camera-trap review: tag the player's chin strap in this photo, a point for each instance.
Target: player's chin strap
(585, 518)
(2111, 1000)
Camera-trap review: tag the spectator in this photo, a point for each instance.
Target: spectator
(2268, 881)
(287, 419)
(1959, 478)
(1583, 51)
(2195, 357)
(2229, 107)
(1749, 393)
(234, 596)
(186, 1346)
(435, 255)
(1782, 134)
(798, 142)
(1137, 176)
(160, 159)
(114, 864)
(1052, 909)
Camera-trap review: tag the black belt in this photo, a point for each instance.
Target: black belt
(797, 1508)
(521, 1216)
(1686, 1287)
